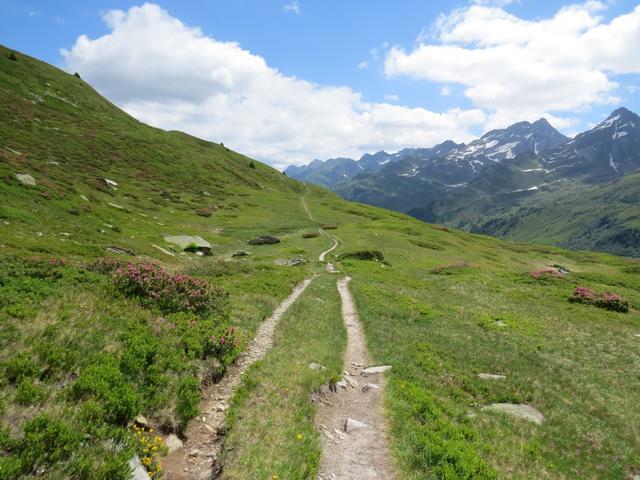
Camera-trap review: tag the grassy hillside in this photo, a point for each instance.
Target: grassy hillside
(83, 353)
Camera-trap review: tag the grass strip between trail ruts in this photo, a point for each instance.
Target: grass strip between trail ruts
(272, 434)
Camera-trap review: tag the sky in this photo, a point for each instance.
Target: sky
(288, 81)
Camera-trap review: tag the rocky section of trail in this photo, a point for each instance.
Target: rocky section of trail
(350, 414)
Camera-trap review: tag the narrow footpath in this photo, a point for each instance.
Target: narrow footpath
(351, 419)
(195, 459)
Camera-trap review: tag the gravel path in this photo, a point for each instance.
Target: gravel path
(195, 460)
(351, 420)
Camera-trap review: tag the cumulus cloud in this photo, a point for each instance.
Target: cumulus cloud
(173, 76)
(522, 69)
(293, 7)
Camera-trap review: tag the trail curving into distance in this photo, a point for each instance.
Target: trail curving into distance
(322, 255)
(196, 459)
(351, 419)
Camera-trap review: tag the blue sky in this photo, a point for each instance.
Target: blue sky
(400, 67)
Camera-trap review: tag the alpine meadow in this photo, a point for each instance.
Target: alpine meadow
(458, 305)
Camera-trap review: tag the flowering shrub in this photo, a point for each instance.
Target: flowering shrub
(608, 300)
(106, 265)
(223, 346)
(155, 286)
(449, 269)
(150, 447)
(546, 273)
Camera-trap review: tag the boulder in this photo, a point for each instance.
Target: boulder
(290, 262)
(370, 386)
(264, 240)
(240, 253)
(190, 243)
(139, 472)
(526, 412)
(378, 369)
(26, 179)
(352, 425)
(173, 443)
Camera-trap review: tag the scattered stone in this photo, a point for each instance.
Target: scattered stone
(26, 179)
(194, 452)
(84, 197)
(341, 384)
(490, 376)
(221, 408)
(526, 412)
(352, 425)
(190, 243)
(340, 434)
(141, 421)
(378, 369)
(316, 366)
(110, 183)
(357, 365)
(163, 250)
(500, 323)
(370, 386)
(240, 253)
(328, 435)
(139, 472)
(121, 250)
(115, 205)
(351, 381)
(637, 335)
(264, 240)
(173, 443)
(290, 262)
(222, 429)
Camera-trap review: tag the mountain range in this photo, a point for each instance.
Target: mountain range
(525, 182)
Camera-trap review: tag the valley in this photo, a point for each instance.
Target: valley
(116, 341)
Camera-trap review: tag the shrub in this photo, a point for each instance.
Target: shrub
(77, 75)
(149, 447)
(46, 441)
(20, 367)
(105, 382)
(264, 240)
(310, 235)
(223, 345)
(607, 300)
(546, 273)
(375, 255)
(252, 165)
(105, 265)
(12, 56)
(330, 226)
(28, 393)
(156, 287)
(188, 401)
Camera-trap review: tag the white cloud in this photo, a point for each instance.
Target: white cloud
(391, 97)
(293, 7)
(363, 64)
(522, 69)
(173, 76)
(446, 90)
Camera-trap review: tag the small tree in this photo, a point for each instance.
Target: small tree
(252, 165)
(12, 56)
(77, 75)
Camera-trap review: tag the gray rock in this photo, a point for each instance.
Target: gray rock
(290, 262)
(351, 381)
(26, 179)
(187, 242)
(141, 420)
(316, 366)
(173, 443)
(341, 384)
(352, 425)
(139, 472)
(370, 386)
(163, 250)
(121, 250)
(490, 376)
(378, 369)
(526, 412)
(110, 183)
(240, 253)
(115, 205)
(264, 240)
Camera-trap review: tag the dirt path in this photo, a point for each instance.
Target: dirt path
(354, 450)
(305, 206)
(196, 458)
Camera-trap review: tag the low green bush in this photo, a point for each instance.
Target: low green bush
(28, 393)
(375, 255)
(187, 406)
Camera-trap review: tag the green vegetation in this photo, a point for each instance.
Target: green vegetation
(82, 355)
